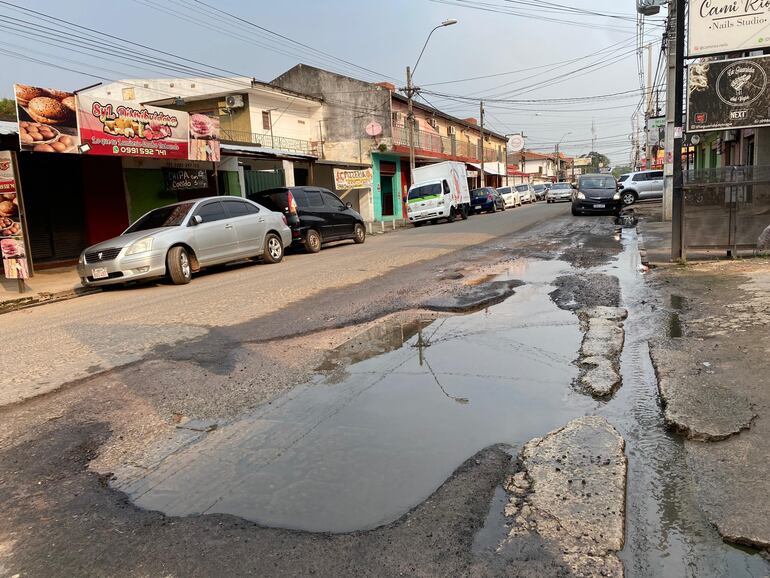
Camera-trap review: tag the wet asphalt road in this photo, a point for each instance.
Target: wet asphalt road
(61, 518)
(71, 340)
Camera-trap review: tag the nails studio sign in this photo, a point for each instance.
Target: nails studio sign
(719, 26)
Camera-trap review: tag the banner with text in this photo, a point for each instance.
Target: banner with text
(728, 94)
(719, 26)
(345, 180)
(117, 128)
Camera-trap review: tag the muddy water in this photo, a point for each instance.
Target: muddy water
(666, 533)
(359, 448)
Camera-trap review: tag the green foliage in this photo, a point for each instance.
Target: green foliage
(7, 109)
(617, 171)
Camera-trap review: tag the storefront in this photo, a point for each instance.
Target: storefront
(388, 195)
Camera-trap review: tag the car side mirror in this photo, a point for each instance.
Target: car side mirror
(349, 205)
(196, 220)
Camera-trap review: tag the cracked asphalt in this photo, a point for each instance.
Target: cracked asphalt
(121, 379)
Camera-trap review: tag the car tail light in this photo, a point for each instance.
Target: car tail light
(490, 198)
(292, 204)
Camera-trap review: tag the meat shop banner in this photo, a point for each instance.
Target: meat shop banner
(125, 129)
(728, 94)
(719, 26)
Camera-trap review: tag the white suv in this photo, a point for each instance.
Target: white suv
(641, 185)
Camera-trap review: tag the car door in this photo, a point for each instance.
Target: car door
(215, 237)
(342, 219)
(250, 226)
(655, 185)
(639, 184)
(317, 213)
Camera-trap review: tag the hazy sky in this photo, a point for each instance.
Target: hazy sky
(383, 36)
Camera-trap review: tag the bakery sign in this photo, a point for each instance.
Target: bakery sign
(125, 129)
(345, 180)
(728, 94)
(719, 26)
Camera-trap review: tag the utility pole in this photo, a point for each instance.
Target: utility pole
(481, 142)
(648, 111)
(410, 120)
(677, 184)
(558, 162)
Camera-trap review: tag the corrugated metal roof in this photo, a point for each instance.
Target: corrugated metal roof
(8, 127)
(264, 151)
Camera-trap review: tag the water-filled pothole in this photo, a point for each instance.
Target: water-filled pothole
(361, 446)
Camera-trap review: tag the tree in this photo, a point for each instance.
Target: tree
(7, 109)
(598, 160)
(617, 171)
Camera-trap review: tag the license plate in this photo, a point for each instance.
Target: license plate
(99, 273)
(600, 206)
(477, 207)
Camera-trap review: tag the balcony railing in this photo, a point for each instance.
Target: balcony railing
(429, 141)
(269, 141)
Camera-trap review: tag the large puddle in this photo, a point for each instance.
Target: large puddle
(359, 447)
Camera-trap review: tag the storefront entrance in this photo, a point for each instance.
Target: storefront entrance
(71, 202)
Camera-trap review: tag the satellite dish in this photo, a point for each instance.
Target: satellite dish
(374, 129)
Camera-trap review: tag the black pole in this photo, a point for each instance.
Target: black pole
(677, 212)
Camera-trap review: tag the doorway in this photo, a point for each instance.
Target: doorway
(387, 174)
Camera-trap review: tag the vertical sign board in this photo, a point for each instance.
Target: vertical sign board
(12, 246)
(728, 94)
(720, 26)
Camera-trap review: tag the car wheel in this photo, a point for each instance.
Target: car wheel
(464, 213)
(451, 218)
(312, 241)
(418, 223)
(178, 266)
(273, 248)
(359, 234)
(628, 198)
(575, 213)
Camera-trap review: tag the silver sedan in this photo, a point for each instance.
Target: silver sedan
(178, 240)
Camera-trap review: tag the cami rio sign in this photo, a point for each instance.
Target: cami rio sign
(719, 26)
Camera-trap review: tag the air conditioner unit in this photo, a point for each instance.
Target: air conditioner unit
(234, 101)
(452, 131)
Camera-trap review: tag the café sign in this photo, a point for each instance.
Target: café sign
(720, 26)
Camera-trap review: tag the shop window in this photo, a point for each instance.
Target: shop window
(266, 120)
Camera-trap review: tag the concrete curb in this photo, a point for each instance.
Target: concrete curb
(642, 248)
(44, 298)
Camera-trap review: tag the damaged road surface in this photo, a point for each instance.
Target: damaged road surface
(501, 420)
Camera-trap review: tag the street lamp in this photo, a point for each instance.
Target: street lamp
(558, 155)
(410, 93)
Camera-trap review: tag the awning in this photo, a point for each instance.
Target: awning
(264, 152)
(491, 168)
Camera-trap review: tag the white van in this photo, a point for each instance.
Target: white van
(440, 191)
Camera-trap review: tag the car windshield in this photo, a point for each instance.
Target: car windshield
(476, 193)
(539, 187)
(597, 183)
(425, 191)
(522, 188)
(171, 216)
(561, 186)
(504, 190)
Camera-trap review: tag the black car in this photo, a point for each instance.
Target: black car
(314, 214)
(596, 194)
(487, 199)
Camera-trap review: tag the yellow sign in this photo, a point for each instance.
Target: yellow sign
(345, 180)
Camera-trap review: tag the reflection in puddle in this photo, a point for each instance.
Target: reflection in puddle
(674, 320)
(360, 449)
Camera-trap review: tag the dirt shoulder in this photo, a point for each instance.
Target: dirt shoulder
(712, 370)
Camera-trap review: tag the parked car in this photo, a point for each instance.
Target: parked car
(510, 196)
(180, 239)
(540, 191)
(527, 193)
(596, 194)
(486, 199)
(314, 214)
(641, 185)
(559, 192)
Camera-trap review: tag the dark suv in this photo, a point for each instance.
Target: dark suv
(314, 214)
(596, 194)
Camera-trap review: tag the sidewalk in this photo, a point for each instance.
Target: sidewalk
(46, 286)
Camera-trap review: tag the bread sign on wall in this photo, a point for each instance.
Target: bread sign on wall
(47, 119)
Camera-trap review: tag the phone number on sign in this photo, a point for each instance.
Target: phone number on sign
(143, 151)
